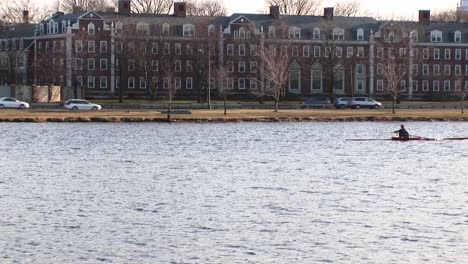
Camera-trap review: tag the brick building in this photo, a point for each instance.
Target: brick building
(108, 54)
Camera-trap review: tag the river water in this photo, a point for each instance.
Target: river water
(232, 193)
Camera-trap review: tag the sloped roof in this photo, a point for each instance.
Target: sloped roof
(19, 31)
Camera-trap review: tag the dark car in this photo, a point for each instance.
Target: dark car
(316, 102)
(342, 102)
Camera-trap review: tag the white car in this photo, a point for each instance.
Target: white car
(81, 104)
(10, 102)
(364, 102)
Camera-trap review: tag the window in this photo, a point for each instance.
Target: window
(338, 34)
(317, 79)
(457, 70)
(446, 85)
(306, 51)
(79, 64)
(103, 64)
(230, 66)
(380, 69)
(211, 30)
(403, 85)
(316, 51)
(425, 53)
(414, 86)
(380, 86)
(230, 83)
(458, 54)
(253, 84)
(165, 29)
(446, 69)
(436, 69)
(178, 48)
(189, 66)
(327, 52)
(241, 50)
(188, 83)
(435, 86)
(425, 69)
(142, 83)
(294, 80)
(142, 47)
(360, 84)
(360, 34)
(360, 70)
(91, 64)
(79, 81)
(457, 85)
(241, 66)
(360, 52)
(131, 82)
(349, 52)
(178, 66)
(436, 54)
(189, 30)
(91, 29)
(271, 32)
(91, 82)
(253, 50)
(294, 33)
(447, 54)
(241, 83)
(339, 52)
(236, 34)
(78, 46)
(154, 48)
(391, 53)
(295, 51)
(178, 83)
(415, 69)
(230, 49)
(54, 46)
(316, 33)
(189, 49)
(91, 46)
(338, 83)
(241, 33)
(457, 36)
(425, 85)
(142, 29)
(253, 67)
(103, 82)
(103, 46)
(436, 36)
(166, 83)
(167, 48)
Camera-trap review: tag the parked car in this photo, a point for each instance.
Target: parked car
(316, 101)
(81, 104)
(341, 102)
(364, 102)
(10, 102)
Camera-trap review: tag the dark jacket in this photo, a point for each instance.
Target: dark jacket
(402, 133)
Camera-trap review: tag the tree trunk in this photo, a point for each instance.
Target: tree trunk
(276, 104)
(461, 105)
(393, 104)
(169, 109)
(225, 105)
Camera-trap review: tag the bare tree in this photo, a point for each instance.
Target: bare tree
(68, 6)
(297, 7)
(151, 6)
(460, 89)
(11, 11)
(350, 8)
(275, 61)
(447, 15)
(394, 43)
(206, 8)
(222, 75)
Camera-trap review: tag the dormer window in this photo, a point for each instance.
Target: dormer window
(211, 30)
(189, 30)
(41, 29)
(360, 34)
(241, 33)
(271, 32)
(56, 27)
(91, 29)
(50, 26)
(316, 33)
(457, 37)
(64, 26)
(143, 29)
(165, 29)
(338, 34)
(294, 33)
(436, 36)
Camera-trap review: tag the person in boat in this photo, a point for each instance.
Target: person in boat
(402, 132)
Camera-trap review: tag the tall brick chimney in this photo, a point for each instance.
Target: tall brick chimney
(180, 9)
(425, 16)
(274, 12)
(25, 16)
(125, 7)
(328, 13)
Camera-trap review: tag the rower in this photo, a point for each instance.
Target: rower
(402, 132)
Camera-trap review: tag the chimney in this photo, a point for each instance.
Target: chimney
(180, 9)
(424, 16)
(274, 12)
(25, 17)
(328, 13)
(124, 7)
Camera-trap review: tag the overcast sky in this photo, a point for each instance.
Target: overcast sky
(386, 8)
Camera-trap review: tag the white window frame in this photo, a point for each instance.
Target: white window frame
(241, 84)
(101, 82)
(188, 81)
(103, 64)
(436, 36)
(91, 29)
(131, 83)
(435, 86)
(425, 85)
(360, 34)
(91, 82)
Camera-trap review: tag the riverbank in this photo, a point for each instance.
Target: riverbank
(234, 115)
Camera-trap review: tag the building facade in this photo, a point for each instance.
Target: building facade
(111, 54)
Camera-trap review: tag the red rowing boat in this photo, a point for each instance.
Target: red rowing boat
(409, 139)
